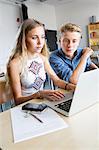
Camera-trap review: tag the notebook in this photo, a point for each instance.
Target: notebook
(85, 95)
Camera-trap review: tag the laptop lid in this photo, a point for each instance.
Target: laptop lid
(85, 95)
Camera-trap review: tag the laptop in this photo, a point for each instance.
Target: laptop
(85, 95)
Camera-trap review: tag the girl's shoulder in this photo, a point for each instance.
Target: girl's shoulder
(44, 58)
(15, 63)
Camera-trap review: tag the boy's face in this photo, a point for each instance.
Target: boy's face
(69, 42)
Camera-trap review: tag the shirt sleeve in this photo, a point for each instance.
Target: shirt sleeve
(60, 67)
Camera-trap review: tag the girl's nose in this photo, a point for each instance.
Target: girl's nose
(39, 41)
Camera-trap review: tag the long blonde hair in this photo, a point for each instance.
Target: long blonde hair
(20, 49)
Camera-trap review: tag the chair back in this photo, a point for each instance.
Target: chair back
(5, 94)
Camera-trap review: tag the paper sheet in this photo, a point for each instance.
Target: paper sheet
(26, 127)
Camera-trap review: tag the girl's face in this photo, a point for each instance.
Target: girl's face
(69, 42)
(35, 40)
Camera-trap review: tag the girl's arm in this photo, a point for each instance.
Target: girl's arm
(14, 74)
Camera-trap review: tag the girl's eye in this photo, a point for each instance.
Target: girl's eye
(34, 37)
(43, 37)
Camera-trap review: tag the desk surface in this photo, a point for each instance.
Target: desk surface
(82, 133)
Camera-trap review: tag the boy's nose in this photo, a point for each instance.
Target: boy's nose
(70, 43)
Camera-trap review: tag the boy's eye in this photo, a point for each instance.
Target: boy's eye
(65, 40)
(74, 41)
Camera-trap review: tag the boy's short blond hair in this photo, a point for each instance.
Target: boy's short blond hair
(70, 27)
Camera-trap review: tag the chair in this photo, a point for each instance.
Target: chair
(6, 98)
(49, 84)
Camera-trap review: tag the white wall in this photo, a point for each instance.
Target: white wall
(79, 13)
(52, 17)
(9, 12)
(44, 13)
(8, 29)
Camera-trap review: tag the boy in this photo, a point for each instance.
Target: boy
(70, 61)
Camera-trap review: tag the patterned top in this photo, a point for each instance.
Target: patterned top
(33, 76)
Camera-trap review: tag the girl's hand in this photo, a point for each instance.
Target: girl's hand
(52, 95)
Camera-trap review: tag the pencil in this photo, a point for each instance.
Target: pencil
(36, 117)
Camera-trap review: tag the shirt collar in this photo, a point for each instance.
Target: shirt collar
(63, 54)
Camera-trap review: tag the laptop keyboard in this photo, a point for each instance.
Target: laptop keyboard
(65, 105)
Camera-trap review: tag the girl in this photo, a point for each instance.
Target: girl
(28, 65)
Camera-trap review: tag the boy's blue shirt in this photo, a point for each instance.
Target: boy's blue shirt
(63, 66)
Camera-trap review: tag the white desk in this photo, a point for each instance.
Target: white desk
(82, 133)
